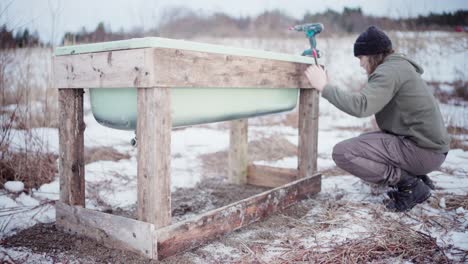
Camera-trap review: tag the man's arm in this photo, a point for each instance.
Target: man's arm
(379, 91)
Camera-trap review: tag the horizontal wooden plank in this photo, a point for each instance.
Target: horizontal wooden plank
(183, 68)
(163, 67)
(110, 230)
(270, 176)
(111, 69)
(200, 229)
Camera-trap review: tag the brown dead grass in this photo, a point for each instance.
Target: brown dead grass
(453, 202)
(32, 168)
(272, 148)
(460, 91)
(391, 240)
(455, 142)
(103, 153)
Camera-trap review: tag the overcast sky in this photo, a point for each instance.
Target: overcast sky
(51, 18)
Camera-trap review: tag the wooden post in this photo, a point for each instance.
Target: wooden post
(71, 145)
(238, 157)
(154, 126)
(308, 132)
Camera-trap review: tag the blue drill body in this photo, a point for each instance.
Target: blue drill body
(311, 30)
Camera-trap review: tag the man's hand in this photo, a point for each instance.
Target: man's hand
(317, 77)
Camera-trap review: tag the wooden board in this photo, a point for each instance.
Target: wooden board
(308, 132)
(182, 68)
(162, 67)
(123, 68)
(203, 228)
(238, 156)
(111, 230)
(267, 176)
(154, 126)
(71, 147)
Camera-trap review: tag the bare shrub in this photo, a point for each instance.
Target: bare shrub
(25, 104)
(32, 168)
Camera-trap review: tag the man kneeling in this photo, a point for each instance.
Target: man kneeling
(413, 140)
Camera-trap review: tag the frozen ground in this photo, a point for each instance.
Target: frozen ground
(345, 212)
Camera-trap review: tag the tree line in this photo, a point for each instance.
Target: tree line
(186, 23)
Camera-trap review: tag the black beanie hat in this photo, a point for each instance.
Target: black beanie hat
(372, 41)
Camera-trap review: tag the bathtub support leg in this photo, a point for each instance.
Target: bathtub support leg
(154, 126)
(71, 144)
(238, 157)
(308, 132)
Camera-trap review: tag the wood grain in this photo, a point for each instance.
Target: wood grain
(162, 67)
(183, 68)
(111, 230)
(238, 156)
(267, 176)
(154, 155)
(203, 228)
(71, 147)
(111, 69)
(308, 132)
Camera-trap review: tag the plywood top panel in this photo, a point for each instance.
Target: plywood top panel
(155, 42)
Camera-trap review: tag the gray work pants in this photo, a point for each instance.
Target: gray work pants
(379, 157)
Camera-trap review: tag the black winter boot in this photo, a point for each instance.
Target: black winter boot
(427, 181)
(411, 190)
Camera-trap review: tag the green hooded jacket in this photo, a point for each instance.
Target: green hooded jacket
(401, 102)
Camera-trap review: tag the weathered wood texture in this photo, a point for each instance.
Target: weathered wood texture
(110, 230)
(122, 68)
(308, 132)
(182, 68)
(203, 228)
(238, 156)
(267, 176)
(154, 156)
(71, 147)
(162, 67)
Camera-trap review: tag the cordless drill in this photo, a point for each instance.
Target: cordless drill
(311, 30)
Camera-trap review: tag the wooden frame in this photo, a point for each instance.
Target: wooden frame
(154, 71)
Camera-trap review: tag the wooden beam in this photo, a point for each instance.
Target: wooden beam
(267, 176)
(111, 230)
(154, 156)
(238, 157)
(162, 67)
(111, 69)
(71, 147)
(183, 68)
(308, 132)
(200, 229)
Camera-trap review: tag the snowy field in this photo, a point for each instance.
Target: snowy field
(346, 212)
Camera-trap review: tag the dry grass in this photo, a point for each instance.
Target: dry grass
(32, 168)
(272, 148)
(391, 240)
(103, 153)
(460, 91)
(453, 202)
(25, 104)
(457, 143)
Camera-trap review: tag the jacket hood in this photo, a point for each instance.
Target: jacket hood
(402, 57)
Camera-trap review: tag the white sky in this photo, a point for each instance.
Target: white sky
(51, 18)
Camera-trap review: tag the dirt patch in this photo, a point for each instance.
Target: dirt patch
(103, 153)
(207, 195)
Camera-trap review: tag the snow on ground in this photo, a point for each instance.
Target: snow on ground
(114, 182)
